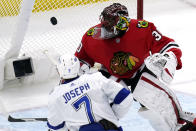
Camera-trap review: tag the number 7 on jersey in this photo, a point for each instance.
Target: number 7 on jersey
(87, 103)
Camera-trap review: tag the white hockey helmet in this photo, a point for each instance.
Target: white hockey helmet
(68, 66)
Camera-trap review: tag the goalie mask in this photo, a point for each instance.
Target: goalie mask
(68, 66)
(114, 21)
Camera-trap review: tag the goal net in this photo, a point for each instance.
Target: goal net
(26, 29)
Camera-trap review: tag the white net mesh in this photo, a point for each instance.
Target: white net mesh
(74, 18)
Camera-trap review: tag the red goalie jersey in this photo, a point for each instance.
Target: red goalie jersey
(123, 56)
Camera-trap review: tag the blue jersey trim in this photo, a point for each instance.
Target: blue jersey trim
(56, 127)
(121, 96)
(69, 80)
(120, 128)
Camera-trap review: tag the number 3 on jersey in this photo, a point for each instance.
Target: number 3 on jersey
(157, 35)
(87, 103)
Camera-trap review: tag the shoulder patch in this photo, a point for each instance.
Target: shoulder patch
(142, 24)
(90, 32)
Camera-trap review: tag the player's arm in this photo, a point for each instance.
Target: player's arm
(162, 44)
(119, 96)
(165, 57)
(55, 122)
(85, 61)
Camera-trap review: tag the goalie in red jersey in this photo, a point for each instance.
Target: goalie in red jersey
(135, 54)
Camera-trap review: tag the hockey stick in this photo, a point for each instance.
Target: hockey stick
(12, 119)
(50, 58)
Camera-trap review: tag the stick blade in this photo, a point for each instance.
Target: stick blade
(12, 119)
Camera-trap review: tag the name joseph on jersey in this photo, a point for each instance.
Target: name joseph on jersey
(75, 92)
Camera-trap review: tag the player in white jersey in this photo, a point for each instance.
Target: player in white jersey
(89, 102)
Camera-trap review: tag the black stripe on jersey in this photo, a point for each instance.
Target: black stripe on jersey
(169, 45)
(84, 62)
(104, 73)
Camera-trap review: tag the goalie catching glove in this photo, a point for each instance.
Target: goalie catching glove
(162, 65)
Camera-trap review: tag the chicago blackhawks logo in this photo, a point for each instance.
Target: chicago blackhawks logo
(122, 62)
(142, 24)
(90, 32)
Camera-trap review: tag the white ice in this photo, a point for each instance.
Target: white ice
(174, 18)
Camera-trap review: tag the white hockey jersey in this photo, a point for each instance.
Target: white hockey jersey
(85, 100)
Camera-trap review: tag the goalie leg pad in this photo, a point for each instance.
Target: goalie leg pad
(154, 118)
(157, 97)
(188, 116)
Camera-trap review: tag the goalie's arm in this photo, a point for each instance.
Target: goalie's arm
(82, 50)
(84, 67)
(158, 43)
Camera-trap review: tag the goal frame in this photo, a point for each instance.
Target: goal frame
(140, 9)
(20, 31)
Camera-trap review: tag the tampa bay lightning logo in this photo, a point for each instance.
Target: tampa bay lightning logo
(75, 59)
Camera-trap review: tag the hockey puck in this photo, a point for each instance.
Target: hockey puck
(53, 20)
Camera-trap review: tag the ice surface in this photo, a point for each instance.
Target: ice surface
(175, 19)
(131, 122)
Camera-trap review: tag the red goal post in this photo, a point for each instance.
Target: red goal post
(140, 7)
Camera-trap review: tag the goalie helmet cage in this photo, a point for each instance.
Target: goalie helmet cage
(26, 28)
